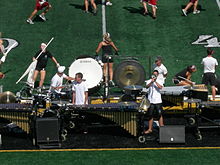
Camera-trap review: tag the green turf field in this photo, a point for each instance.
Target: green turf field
(77, 33)
(165, 157)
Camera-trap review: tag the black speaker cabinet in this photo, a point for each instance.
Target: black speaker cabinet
(47, 130)
(172, 134)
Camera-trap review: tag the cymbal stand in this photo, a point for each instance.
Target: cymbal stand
(106, 83)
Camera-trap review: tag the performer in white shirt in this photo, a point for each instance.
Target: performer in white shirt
(80, 90)
(154, 96)
(57, 81)
(162, 70)
(209, 76)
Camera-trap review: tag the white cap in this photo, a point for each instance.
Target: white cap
(61, 69)
(43, 44)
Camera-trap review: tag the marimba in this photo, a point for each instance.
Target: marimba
(126, 115)
(18, 114)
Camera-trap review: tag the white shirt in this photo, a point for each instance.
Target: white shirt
(154, 95)
(209, 64)
(57, 81)
(80, 89)
(162, 70)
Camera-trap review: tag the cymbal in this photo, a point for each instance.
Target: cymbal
(145, 104)
(7, 97)
(133, 87)
(129, 72)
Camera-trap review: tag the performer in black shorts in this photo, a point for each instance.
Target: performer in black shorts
(107, 44)
(209, 76)
(154, 86)
(42, 63)
(184, 77)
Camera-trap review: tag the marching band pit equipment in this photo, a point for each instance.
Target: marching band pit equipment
(133, 90)
(7, 97)
(129, 72)
(18, 114)
(125, 115)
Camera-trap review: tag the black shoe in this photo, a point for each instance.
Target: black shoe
(145, 13)
(154, 17)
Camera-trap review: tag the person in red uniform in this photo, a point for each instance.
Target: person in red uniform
(153, 4)
(191, 3)
(40, 4)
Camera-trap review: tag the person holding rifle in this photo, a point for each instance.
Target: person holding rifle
(42, 63)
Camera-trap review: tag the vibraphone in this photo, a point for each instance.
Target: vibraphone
(173, 97)
(17, 114)
(124, 115)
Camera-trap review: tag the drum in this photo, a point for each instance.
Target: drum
(91, 70)
(129, 72)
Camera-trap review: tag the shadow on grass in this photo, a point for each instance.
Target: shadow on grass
(139, 10)
(37, 19)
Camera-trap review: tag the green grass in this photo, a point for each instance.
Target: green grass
(77, 33)
(165, 157)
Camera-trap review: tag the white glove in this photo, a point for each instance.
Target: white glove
(58, 65)
(3, 58)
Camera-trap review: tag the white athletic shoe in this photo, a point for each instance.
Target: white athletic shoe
(42, 17)
(184, 12)
(30, 21)
(108, 4)
(196, 12)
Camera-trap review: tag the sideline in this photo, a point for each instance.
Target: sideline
(111, 149)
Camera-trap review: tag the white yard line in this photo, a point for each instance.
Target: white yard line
(103, 18)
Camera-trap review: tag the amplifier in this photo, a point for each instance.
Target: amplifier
(47, 130)
(172, 134)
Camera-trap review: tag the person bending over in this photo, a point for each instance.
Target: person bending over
(57, 81)
(184, 77)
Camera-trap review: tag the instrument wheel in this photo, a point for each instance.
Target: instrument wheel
(191, 121)
(141, 139)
